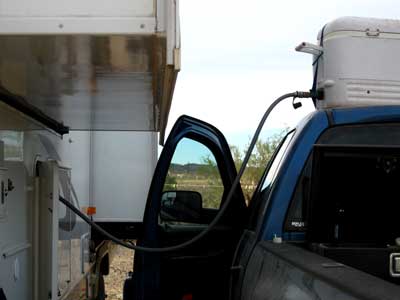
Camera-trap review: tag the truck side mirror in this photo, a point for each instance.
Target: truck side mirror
(181, 206)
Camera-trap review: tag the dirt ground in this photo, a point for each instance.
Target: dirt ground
(121, 265)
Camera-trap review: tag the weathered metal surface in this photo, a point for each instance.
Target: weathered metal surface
(87, 82)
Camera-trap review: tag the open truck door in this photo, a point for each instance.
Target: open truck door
(191, 181)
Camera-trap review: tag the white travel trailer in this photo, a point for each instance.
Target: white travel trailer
(85, 92)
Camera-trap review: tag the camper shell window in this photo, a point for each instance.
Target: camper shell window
(364, 135)
(354, 195)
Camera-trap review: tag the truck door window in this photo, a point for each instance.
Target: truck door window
(194, 169)
(296, 216)
(277, 159)
(262, 194)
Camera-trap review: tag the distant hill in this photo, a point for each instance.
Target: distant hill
(187, 168)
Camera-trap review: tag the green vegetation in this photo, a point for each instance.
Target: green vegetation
(205, 179)
(259, 159)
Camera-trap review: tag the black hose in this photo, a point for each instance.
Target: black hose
(224, 205)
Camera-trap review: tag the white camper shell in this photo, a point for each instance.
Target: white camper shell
(356, 62)
(85, 92)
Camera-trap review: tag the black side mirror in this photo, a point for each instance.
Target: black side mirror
(181, 206)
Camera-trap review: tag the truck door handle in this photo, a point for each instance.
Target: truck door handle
(237, 268)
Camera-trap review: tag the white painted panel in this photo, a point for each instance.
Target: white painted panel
(161, 16)
(15, 237)
(74, 152)
(123, 166)
(52, 8)
(111, 170)
(48, 228)
(77, 25)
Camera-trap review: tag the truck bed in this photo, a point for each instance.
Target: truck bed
(287, 271)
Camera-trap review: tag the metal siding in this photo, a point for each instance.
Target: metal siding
(77, 25)
(110, 170)
(86, 82)
(87, 8)
(123, 165)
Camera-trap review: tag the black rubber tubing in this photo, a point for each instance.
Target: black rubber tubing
(224, 206)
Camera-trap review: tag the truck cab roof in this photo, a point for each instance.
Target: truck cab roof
(371, 114)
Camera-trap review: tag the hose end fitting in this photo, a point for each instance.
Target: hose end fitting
(300, 94)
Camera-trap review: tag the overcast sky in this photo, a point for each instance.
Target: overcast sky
(237, 56)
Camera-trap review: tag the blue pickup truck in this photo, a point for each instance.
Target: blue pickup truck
(323, 222)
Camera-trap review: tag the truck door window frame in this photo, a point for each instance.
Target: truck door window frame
(276, 162)
(270, 174)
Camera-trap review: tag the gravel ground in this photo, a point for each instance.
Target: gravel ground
(120, 266)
